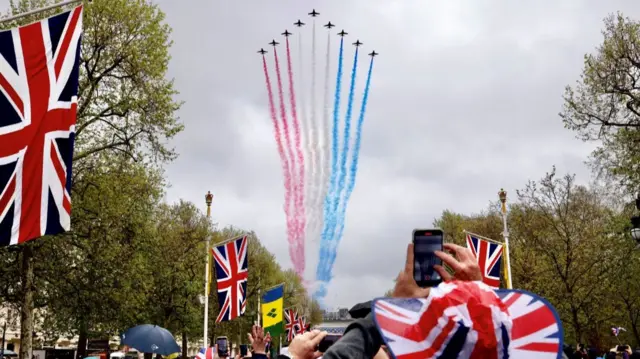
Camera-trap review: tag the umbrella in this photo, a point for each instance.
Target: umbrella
(149, 338)
(360, 310)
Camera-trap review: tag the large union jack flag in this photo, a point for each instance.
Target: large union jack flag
(231, 272)
(291, 323)
(470, 320)
(38, 104)
(489, 256)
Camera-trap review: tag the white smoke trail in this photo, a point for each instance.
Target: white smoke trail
(325, 169)
(316, 211)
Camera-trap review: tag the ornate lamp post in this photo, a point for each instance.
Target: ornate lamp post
(635, 224)
(207, 272)
(503, 208)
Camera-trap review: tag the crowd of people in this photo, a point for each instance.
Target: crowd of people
(461, 301)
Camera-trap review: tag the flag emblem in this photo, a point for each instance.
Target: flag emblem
(489, 256)
(38, 102)
(231, 272)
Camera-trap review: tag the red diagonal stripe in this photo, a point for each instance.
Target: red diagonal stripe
(532, 322)
(13, 95)
(64, 45)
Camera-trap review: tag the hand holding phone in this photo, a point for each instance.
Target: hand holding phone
(243, 350)
(425, 243)
(327, 342)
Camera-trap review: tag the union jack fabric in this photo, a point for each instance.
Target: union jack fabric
(38, 102)
(206, 354)
(489, 256)
(291, 323)
(470, 320)
(302, 325)
(231, 272)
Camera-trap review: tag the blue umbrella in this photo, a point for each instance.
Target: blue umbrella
(149, 338)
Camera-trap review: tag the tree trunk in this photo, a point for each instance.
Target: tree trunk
(184, 344)
(26, 310)
(82, 342)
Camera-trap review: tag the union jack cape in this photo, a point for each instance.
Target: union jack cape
(470, 320)
(231, 264)
(38, 102)
(489, 256)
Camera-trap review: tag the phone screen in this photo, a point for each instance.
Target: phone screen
(425, 243)
(243, 350)
(327, 342)
(222, 346)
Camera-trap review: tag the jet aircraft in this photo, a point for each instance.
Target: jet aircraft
(286, 33)
(357, 43)
(262, 51)
(342, 33)
(373, 53)
(329, 25)
(274, 43)
(298, 23)
(314, 13)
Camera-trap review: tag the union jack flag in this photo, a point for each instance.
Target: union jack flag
(206, 354)
(231, 271)
(38, 102)
(470, 320)
(489, 256)
(291, 323)
(616, 331)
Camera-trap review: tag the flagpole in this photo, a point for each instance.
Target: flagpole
(37, 11)
(503, 200)
(259, 295)
(208, 199)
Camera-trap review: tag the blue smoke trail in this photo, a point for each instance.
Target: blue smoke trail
(353, 170)
(331, 244)
(334, 166)
(339, 189)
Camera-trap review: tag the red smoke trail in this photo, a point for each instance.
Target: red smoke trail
(294, 250)
(283, 159)
(299, 201)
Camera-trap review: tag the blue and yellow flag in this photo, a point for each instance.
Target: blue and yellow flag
(272, 307)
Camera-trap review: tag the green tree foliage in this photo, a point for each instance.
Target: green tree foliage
(126, 108)
(604, 105)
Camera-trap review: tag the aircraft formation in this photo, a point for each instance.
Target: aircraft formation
(328, 25)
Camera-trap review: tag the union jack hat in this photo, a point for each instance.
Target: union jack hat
(470, 320)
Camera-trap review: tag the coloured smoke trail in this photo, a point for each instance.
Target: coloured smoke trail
(283, 157)
(318, 159)
(297, 261)
(328, 204)
(338, 191)
(300, 216)
(353, 170)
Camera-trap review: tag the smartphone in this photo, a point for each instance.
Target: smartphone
(327, 342)
(223, 346)
(243, 350)
(425, 243)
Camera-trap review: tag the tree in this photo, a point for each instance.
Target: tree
(125, 106)
(569, 232)
(174, 301)
(604, 105)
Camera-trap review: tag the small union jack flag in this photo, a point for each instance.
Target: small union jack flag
(38, 104)
(291, 323)
(231, 271)
(489, 256)
(470, 320)
(616, 331)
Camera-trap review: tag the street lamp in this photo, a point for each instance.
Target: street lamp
(635, 223)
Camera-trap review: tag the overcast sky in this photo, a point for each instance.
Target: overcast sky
(464, 100)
